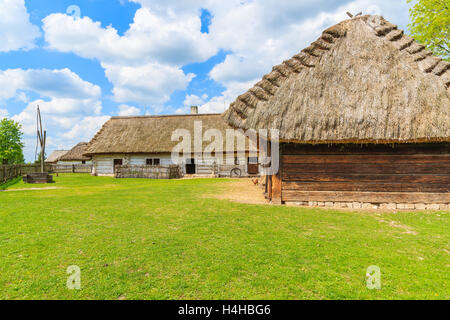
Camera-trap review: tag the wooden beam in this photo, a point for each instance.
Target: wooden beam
(369, 197)
(277, 184)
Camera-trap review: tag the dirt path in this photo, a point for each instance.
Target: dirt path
(32, 189)
(242, 191)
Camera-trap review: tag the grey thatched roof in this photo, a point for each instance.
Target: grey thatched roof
(54, 157)
(363, 80)
(150, 134)
(76, 154)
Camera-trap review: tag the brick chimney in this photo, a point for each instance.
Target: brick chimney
(194, 110)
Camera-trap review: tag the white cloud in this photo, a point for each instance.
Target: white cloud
(3, 113)
(150, 38)
(16, 30)
(125, 111)
(149, 84)
(194, 100)
(65, 101)
(57, 113)
(144, 64)
(61, 84)
(220, 103)
(85, 129)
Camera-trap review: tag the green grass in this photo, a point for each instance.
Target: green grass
(145, 239)
(6, 185)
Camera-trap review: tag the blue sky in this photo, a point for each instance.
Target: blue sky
(136, 57)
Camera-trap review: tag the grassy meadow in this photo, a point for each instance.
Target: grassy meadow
(147, 239)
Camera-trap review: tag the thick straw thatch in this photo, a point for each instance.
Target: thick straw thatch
(363, 80)
(76, 154)
(54, 157)
(151, 134)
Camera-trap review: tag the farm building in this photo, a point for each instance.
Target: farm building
(55, 155)
(75, 156)
(147, 141)
(363, 117)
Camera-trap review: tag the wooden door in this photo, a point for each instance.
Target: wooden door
(252, 166)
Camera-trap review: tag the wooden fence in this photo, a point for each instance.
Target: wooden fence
(148, 172)
(33, 168)
(233, 171)
(75, 168)
(221, 170)
(9, 172)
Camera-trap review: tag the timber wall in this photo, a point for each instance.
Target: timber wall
(366, 176)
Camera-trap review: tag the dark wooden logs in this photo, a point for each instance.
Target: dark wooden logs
(366, 173)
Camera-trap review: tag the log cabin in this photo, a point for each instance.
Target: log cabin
(363, 119)
(147, 141)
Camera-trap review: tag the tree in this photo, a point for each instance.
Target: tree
(11, 146)
(431, 25)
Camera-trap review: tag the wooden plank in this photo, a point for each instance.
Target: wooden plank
(360, 186)
(393, 178)
(372, 149)
(349, 158)
(292, 170)
(277, 185)
(369, 197)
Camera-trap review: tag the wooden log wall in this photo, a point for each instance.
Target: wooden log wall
(309, 172)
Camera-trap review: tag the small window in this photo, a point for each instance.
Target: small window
(83, 162)
(153, 162)
(253, 160)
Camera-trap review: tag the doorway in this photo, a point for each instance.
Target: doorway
(117, 162)
(190, 166)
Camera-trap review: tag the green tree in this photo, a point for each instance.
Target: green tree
(431, 25)
(11, 146)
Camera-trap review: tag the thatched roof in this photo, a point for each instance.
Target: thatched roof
(54, 157)
(150, 134)
(362, 81)
(76, 154)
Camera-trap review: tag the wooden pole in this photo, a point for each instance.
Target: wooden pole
(42, 136)
(277, 184)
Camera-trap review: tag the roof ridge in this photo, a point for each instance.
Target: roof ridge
(95, 138)
(165, 116)
(427, 62)
(306, 59)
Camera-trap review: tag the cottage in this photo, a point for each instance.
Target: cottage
(148, 141)
(54, 157)
(75, 156)
(363, 118)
